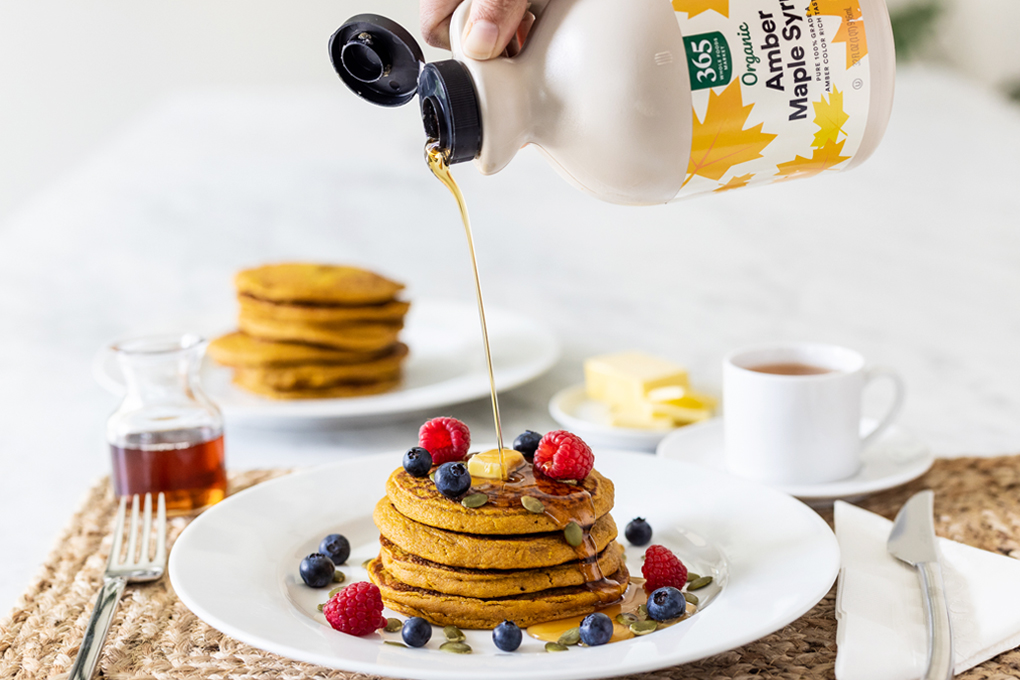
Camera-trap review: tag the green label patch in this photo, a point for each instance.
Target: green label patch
(708, 60)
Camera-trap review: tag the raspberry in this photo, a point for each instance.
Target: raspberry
(447, 439)
(356, 610)
(662, 568)
(564, 455)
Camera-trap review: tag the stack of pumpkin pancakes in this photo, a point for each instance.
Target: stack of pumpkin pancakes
(476, 567)
(315, 331)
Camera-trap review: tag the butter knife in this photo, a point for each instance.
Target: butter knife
(912, 540)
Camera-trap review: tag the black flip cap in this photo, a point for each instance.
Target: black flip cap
(380, 61)
(377, 58)
(449, 108)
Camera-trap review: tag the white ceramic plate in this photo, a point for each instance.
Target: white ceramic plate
(590, 420)
(446, 366)
(236, 568)
(895, 459)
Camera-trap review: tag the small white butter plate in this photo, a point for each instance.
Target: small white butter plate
(895, 459)
(590, 420)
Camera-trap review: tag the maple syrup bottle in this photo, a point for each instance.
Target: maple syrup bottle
(649, 101)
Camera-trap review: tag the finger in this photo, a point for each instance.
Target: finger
(491, 26)
(435, 21)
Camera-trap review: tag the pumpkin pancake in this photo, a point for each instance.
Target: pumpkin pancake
(361, 337)
(315, 376)
(475, 551)
(238, 349)
(488, 583)
(246, 381)
(469, 612)
(418, 499)
(316, 283)
(393, 310)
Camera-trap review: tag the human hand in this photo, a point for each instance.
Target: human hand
(490, 29)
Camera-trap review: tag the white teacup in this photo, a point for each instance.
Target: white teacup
(789, 425)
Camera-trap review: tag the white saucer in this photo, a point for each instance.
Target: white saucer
(589, 419)
(895, 459)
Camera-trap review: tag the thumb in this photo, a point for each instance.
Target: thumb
(491, 26)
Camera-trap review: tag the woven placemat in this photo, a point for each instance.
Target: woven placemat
(977, 502)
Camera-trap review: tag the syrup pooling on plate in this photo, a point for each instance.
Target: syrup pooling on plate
(436, 157)
(562, 503)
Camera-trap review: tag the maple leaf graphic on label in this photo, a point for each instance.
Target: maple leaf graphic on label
(851, 31)
(720, 140)
(829, 117)
(696, 7)
(736, 182)
(822, 159)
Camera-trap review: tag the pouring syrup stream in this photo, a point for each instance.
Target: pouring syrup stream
(436, 157)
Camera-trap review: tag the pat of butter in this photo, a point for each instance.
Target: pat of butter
(486, 465)
(682, 405)
(623, 380)
(640, 419)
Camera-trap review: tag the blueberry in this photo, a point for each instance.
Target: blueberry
(507, 636)
(453, 479)
(336, 547)
(417, 462)
(638, 532)
(526, 443)
(596, 629)
(666, 603)
(317, 570)
(416, 632)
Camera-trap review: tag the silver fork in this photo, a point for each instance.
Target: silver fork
(120, 572)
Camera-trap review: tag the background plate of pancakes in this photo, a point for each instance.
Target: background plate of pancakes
(445, 364)
(236, 567)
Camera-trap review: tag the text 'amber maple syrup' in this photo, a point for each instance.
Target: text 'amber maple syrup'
(188, 470)
(437, 158)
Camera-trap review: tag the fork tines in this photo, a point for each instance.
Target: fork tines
(133, 558)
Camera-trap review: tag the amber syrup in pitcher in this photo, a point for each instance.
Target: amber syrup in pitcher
(185, 465)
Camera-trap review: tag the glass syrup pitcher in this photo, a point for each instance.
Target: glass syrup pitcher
(166, 435)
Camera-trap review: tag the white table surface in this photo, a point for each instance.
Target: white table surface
(913, 259)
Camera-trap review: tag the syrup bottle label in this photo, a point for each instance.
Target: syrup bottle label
(780, 89)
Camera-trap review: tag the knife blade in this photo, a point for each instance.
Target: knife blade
(912, 540)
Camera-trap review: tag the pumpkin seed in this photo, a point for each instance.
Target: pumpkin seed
(338, 576)
(699, 582)
(555, 647)
(364, 565)
(453, 633)
(642, 612)
(320, 606)
(335, 591)
(626, 619)
(644, 627)
(532, 504)
(475, 500)
(455, 647)
(691, 576)
(393, 625)
(691, 597)
(573, 534)
(571, 637)
(395, 643)
(432, 476)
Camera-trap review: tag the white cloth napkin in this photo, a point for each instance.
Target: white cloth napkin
(880, 631)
